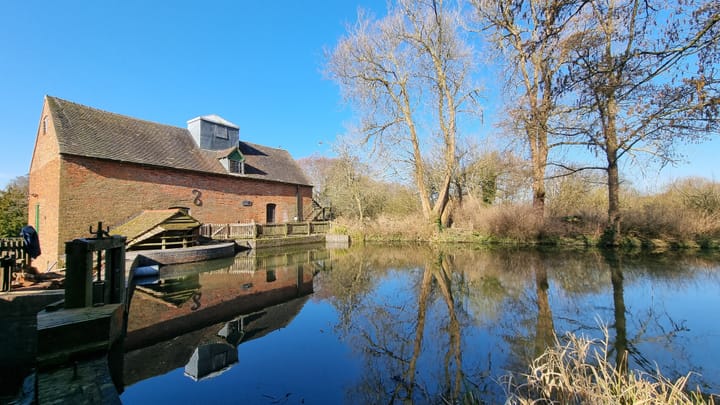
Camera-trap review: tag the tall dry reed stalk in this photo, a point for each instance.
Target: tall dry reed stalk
(579, 371)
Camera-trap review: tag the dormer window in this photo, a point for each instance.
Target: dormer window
(235, 166)
(234, 162)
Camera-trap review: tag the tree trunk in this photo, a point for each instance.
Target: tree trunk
(612, 234)
(539, 160)
(613, 182)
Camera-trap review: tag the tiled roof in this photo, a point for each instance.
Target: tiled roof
(262, 161)
(89, 132)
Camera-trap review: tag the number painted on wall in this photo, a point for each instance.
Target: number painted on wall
(197, 201)
(196, 301)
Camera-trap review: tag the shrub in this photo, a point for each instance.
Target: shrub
(513, 221)
(688, 209)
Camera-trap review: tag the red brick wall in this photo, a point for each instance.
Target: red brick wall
(97, 190)
(44, 191)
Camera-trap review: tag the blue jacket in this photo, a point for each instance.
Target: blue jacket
(32, 242)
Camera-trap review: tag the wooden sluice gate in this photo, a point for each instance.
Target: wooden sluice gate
(88, 325)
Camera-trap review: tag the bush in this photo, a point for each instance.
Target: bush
(688, 209)
(386, 228)
(511, 221)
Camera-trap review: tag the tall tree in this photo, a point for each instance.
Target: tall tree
(407, 75)
(531, 35)
(645, 74)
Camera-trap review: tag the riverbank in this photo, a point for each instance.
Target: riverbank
(560, 233)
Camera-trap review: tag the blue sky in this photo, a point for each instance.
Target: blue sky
(257, 64)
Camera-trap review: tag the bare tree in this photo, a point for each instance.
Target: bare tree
(531, 35)
(645, 75)
(407, 75)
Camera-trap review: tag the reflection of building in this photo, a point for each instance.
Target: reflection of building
(90, 165)
(211, 359)
(222, 308)
(219, 352)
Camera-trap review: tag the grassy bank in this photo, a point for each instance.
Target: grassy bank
(653, 227)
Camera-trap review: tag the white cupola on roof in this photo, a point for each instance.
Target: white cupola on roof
(213, 132)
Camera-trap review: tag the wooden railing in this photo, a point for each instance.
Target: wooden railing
(254, 231)
(13, 246)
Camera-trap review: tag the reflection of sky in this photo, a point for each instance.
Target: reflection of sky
(684, 310)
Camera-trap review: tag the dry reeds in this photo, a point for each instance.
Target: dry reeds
(578, 371)
(512, 221)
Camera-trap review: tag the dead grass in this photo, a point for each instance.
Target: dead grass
(578, 371)
(668, 217)
(685, 215)
(507, 221)
(388, 228)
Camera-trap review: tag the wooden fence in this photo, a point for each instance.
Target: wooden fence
(13, 246)
(255, 231)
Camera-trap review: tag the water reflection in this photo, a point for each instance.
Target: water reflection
(415, 324)
(196, 320)
(430, 323)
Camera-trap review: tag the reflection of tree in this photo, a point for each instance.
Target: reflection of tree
(404, 387)
(621, 342)
(545, 329)
(637, 347)
(419, 317)
(443, 276)
(397, 333)
(530, 324)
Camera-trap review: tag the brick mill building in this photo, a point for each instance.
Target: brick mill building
(90, 165)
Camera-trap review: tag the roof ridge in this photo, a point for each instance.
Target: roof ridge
(110, 112)
(264, 146)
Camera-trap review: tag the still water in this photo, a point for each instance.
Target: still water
(418, 324)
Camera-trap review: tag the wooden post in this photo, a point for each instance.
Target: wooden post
(78, 275)
(7, 263)
(116, 270)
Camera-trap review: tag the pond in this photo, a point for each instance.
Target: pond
(384, 324)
